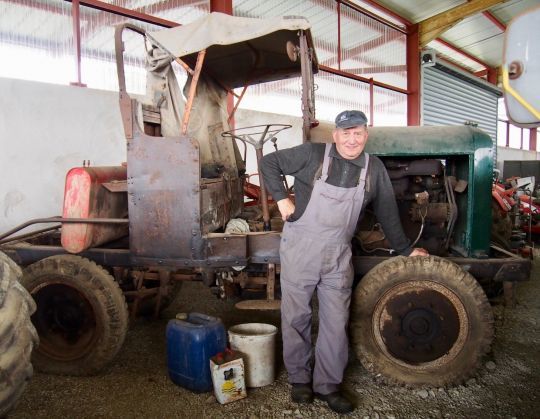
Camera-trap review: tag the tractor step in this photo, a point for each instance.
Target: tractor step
(259, 305)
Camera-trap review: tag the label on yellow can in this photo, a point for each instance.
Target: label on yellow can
(228, 380)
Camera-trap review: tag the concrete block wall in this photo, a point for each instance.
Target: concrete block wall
(504, 153)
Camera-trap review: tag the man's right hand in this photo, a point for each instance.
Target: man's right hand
(286, 208)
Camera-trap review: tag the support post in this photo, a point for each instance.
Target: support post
(192, 90)
(413, 76)
(225, 6)
(371, 104)
(339, 34)
(532, 139)
(75, 14)
(492, 75)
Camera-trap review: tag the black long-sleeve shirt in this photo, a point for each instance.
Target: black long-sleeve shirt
(304, 162)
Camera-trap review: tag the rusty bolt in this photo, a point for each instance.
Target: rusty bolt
(515, 69)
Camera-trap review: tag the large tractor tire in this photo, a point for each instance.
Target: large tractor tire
(81, 315)
(17, 335)
(420, 321)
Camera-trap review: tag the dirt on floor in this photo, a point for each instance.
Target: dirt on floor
(137, 386)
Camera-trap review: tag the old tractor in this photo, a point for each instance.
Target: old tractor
(175, 212)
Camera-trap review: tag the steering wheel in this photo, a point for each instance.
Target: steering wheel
(256, 135)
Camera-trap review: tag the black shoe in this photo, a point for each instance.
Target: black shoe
(301, 393)
(337, 402)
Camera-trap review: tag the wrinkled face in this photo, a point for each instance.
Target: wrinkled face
(350, 142)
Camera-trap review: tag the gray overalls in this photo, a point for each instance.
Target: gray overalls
(315, 253)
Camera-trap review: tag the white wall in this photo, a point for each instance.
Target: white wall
(45, 130)
(287, 138)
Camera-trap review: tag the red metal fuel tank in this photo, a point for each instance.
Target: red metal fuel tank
(94, 192)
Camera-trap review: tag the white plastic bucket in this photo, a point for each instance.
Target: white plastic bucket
(257, 344)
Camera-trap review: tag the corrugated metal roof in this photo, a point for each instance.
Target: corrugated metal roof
(475, 35)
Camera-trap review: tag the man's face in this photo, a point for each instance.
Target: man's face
(350, 142)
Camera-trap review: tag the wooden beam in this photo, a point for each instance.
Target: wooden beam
(431, 28)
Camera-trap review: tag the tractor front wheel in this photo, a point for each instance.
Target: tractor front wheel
(420, 321)
(81, 315)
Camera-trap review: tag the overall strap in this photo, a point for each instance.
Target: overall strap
(363, 173)
(326, 162)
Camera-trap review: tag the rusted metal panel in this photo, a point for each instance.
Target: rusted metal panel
(164, 196)
(220, 201)
(264, 247)
(85, 197)
(228, 245)
(410, 322)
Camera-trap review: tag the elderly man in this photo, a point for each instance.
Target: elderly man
(333, 185)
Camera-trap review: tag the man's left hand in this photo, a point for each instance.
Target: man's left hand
(418, 251)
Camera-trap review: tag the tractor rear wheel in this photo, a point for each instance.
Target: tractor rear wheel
(81, 315)
(17, 335)
(420, 321)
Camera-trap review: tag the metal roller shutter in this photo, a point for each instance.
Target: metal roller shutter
(452, 97)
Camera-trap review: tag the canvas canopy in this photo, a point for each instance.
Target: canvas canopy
(239, 50)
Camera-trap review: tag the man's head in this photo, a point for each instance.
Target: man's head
(350, 134)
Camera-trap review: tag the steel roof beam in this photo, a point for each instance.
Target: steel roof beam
(493, 19)
(375, 4)
(464, 53)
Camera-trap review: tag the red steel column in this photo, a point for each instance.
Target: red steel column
(225, 6)
(532, 139)
(492, 75)
(413, 76)
(75, 13)
(371, 104)
(339, 34)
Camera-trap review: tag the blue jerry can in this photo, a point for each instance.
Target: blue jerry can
(191, 342)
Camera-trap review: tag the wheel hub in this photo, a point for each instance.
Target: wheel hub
(421, 325)
(419, 322)
(64, 320)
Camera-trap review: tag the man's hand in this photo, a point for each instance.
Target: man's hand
(418, 251)
(286, 208)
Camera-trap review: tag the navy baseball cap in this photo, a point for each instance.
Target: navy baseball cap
(349, 119)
